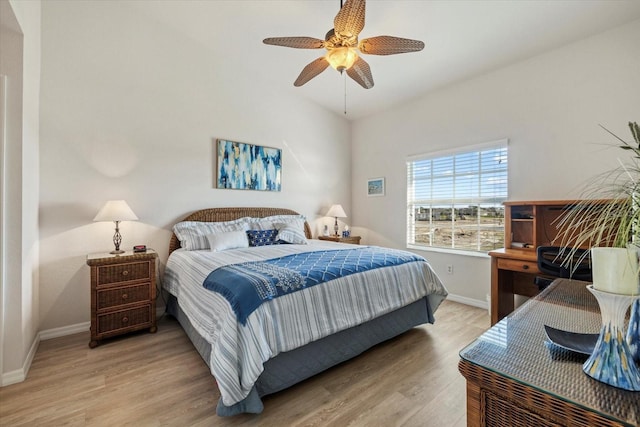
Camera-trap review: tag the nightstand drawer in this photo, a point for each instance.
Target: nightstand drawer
(119, 296)
(518, 265)
(124, 319)
(354, 240)
(124, 272)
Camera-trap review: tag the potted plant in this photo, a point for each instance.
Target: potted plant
(610, 217)
(607, 220)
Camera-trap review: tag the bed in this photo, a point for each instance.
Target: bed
(292, 337)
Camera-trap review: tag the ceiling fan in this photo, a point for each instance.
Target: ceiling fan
(341, 43)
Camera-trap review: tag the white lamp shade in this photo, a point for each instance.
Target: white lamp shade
(336, 211)
(116, 210)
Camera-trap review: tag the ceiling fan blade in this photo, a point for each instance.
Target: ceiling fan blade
(361, 73)
(350, 20)
(295, 42)
(389, 45)
(311, 70)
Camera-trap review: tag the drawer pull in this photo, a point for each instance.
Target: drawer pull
(125, 273)
(125, 319)
(525, 267)
(125, 296)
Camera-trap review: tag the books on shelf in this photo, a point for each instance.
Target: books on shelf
(521, 245)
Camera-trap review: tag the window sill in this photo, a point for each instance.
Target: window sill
(449, 251)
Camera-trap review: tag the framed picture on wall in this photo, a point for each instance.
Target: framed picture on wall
(375, 187)
(243, 166)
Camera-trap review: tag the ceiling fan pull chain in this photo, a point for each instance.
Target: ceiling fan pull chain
(345, 94)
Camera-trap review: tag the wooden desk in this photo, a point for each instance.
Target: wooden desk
(528, 225)
(512, 272)
(515, 378)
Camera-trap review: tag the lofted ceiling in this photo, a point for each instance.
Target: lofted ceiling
(464, 38)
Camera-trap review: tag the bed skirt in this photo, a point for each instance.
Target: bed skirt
(291, 367)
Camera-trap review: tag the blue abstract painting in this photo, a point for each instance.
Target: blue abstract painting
(248, 167)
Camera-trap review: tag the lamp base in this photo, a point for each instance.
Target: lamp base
(117, 239)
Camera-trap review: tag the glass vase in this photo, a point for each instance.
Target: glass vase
(633, 332)
(611, 361)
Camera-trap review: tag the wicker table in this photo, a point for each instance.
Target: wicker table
(123, 293)
(515, 377)
(354, 240)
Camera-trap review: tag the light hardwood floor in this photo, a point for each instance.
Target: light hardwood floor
(159, 379)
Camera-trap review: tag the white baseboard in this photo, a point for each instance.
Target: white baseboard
(48, 334)
(12, 377)
(468, 301)
(20, 375)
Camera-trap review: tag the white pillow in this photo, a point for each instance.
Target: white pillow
(228, 240)
(291, 233)
(269, 222)
(193, 234)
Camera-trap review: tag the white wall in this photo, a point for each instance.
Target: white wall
(20, 62)
(548, 106)
(130, 109)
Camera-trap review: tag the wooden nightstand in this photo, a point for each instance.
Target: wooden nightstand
(123, 293)
(355, 240)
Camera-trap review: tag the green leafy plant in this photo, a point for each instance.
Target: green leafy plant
(609, 211)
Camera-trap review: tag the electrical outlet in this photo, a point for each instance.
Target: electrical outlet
(449, 269)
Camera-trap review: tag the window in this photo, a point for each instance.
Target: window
(454, 199)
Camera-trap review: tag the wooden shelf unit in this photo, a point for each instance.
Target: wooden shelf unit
(532, 223)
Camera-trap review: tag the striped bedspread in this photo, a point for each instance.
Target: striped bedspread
(291, 321)
(249, 284)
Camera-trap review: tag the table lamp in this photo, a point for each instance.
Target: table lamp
(336, 211)
(116, 211)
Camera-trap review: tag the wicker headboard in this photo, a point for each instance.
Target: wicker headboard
(229, 214)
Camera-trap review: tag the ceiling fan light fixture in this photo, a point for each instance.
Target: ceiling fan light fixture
(343, 50)
(342, 58)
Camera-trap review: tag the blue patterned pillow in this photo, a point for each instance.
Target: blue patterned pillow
(263, 237)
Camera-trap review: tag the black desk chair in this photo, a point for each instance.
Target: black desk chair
(553, 262)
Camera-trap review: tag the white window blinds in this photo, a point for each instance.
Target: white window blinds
(454, 199)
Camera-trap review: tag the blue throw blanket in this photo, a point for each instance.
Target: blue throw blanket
(247, 285)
